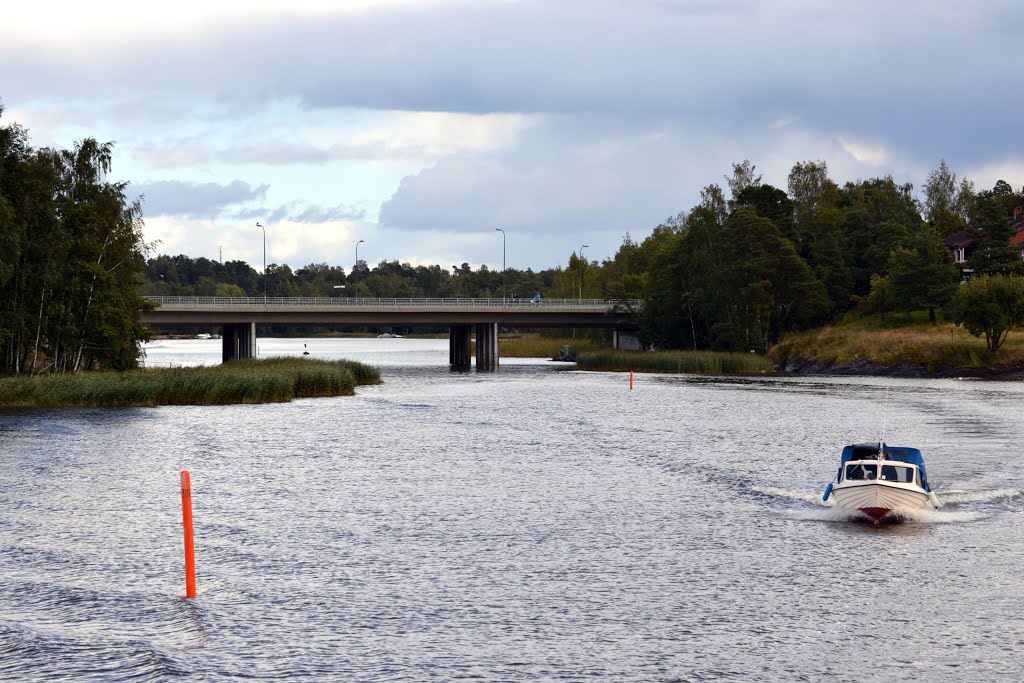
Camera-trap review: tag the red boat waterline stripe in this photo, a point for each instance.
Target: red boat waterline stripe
(875, 513)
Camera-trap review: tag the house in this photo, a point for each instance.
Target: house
(961, 244)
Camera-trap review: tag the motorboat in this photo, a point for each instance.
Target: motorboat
(881, 481)
(389, 335)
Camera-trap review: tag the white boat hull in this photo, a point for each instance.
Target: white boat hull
(877, 499)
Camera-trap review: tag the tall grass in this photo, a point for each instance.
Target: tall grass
(245, 381)
(682, 362)
(541, 347)
(931, 346)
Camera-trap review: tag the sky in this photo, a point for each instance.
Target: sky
(421, 127)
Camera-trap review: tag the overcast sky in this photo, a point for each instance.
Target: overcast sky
(421, 126)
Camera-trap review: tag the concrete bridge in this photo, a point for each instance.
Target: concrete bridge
(239, 317)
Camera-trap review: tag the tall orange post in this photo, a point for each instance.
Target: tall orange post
(190, 551)
(631, 380)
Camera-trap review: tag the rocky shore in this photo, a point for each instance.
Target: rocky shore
(862, 367)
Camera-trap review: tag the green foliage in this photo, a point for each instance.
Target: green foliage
(990, 306)
(881, 299)
(247, 381)
(922, 276)
(993, 253)
(71, 254)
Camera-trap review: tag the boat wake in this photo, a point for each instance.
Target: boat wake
(814, 498)
(832, 513)
(828, 512)
(957, 497)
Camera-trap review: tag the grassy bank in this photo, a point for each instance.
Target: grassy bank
(689, 362)
(931, 346)
(248, 381)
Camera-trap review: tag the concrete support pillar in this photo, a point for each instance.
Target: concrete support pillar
(238, 340)
(460, 339)
(487, 347)
(625, 341)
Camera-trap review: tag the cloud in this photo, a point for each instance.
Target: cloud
(180, 198)
(872, 155)
(1011, 170)
(569, 121)
(296, 212)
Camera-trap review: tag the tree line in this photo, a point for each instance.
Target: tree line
(745, 265)
(736, 272)
(71, 259)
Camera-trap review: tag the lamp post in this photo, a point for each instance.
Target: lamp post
(582, 264)
(260, 226)
(355, 267)
(502, 264)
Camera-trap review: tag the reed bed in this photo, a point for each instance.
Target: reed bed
(541, 347)
(272, 380)
(676, 362)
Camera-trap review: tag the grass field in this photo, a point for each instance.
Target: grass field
(244, 381)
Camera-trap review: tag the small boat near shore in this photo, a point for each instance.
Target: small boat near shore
(880, 481)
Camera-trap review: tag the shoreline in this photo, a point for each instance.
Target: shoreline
(864, 368)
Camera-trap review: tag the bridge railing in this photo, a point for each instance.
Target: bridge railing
(358, 302)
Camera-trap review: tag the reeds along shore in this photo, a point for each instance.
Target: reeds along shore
(688, 362)
(245, 381)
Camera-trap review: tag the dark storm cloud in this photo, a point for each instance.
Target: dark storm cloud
(917, 71)
(194, 200)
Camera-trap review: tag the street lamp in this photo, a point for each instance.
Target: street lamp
(260, 226)
(355, 267)
(502, 264)
(582, 264)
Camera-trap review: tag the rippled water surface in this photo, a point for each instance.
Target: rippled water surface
(533, 524)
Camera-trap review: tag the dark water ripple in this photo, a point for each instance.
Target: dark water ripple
(531, 525)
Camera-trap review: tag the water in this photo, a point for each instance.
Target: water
(533, 524)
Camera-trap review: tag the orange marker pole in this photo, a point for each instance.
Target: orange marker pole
(190, 550)
(631, 380)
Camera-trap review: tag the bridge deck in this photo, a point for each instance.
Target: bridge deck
(340, 311)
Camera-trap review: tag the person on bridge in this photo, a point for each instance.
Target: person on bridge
(536, 298)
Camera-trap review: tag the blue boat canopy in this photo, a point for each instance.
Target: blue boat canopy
(869, 451)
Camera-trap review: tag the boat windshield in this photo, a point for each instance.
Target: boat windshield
(900, 473)
(859, 471)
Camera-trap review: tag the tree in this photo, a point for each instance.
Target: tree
(990, 306)
(991, 223)
(922, 276)
(744, 175)
(940, 204)
(821, 241)
(770, 289)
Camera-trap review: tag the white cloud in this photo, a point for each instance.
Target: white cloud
(873, 154)
(986, 176)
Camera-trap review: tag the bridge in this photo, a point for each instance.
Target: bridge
(238, 318)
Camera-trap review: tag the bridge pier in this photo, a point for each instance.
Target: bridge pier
(625, 340)
(460, 339)
(238, 340)
(486, 347)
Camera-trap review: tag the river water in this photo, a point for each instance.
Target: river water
(537, 523)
